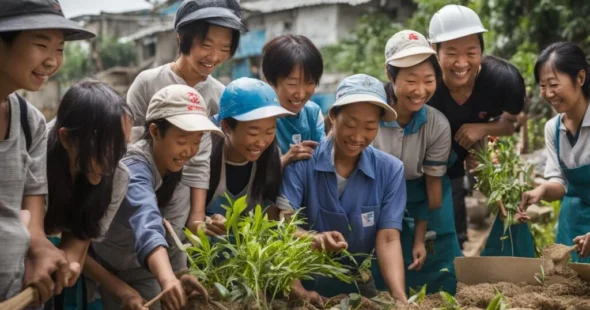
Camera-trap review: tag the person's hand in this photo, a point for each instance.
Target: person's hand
(471, 163)
(330, 241)
(401, 297)
(131, 300)
(582, 244)
(301, 294)
(46, 269)
(531, 197)
(468, 135)
(419, 253)
(299, 151)
(215, 226)
(74, 273)
(192, 287)
(173, 297)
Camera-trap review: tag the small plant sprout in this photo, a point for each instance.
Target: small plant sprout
(417, 296)
(450, 303)
(497, 302)
(540, 276)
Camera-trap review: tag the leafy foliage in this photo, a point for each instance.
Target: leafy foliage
(498, 302)
(417, 297)
(75, 64)
(502, 177)
(450, 303)
(544, 233)
(113, 53)
(258, 256)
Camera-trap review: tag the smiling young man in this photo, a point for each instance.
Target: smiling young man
(465, 96)
(32, 36)
(208, 33)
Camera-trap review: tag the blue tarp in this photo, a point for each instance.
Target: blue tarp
(251, 44)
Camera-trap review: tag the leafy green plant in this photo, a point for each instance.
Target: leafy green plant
(416, 297)
(544, 233)
(450, 303)
(258, 257)
(497, 302)
(502, 177)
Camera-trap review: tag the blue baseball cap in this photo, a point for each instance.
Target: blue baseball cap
(364, 88)
(247, 99)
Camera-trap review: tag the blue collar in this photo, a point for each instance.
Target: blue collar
(419, 118)
(323, 159)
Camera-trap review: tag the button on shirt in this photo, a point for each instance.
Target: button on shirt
(374, 197)
(572, 156)
(423, 145)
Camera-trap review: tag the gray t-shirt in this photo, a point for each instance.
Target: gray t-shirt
(22, 173)
(146, 85)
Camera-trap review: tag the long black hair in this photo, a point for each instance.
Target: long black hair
(505, 83)
(170, 180)
(568, 58)
(91, 112)
(265, 185)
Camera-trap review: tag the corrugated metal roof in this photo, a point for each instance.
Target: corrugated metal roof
(269, 6)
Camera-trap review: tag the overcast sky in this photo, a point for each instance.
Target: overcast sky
(73, 8)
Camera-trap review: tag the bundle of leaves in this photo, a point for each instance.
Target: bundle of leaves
(259, 259)
(502, 177)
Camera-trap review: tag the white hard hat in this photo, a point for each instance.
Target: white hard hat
(453, 21)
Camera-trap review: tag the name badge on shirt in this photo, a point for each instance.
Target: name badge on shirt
(368, 219)
(296, 138)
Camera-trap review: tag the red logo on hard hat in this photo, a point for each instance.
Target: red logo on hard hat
(413, 36)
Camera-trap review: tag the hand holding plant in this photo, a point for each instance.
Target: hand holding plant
(298, 292)
(531, 197)
(192, 287)
(582, 244)
(329, 241)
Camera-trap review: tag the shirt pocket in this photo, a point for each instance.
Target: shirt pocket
(365, 229)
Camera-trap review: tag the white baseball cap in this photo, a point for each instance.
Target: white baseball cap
(183, 107)
(407, 48)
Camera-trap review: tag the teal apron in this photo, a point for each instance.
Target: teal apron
(438, 270)
(500, 244)
(73, 298)
(574, 217)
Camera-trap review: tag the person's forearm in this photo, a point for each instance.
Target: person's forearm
(391, 263)
(433, 191)
(36, 206)
(420, 231)
(109, 281)
(74, 248)
(553, 191)
(158, 263)
(197, 213)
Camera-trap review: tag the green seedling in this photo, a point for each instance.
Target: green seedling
(444, 270)
(497, 302)
(417, 296)
(450, 303)
(540, 277)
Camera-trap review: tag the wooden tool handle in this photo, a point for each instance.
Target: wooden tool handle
(153, 301)
(22, 300)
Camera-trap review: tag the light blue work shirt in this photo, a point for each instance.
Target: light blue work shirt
(374, 197)
(306, 125)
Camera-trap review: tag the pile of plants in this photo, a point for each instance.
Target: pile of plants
(255, 264)
(502, 177)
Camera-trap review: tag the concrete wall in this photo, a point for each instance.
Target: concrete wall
(46, 99)
(118, 26)
(318, 23)
(166, 48)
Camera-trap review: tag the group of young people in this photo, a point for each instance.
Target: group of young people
(83, 197)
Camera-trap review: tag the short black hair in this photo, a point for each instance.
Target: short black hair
(285, 52)
(568, 58)
(504, 82)
(9, 37)
(197, 31)
(479, 36)
(394, 71)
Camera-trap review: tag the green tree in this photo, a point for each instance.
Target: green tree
(113, 53)
(75, 65)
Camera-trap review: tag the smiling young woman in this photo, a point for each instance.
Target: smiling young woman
(32, 36)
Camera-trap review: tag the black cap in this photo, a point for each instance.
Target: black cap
(225, 13)
(19, 15)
